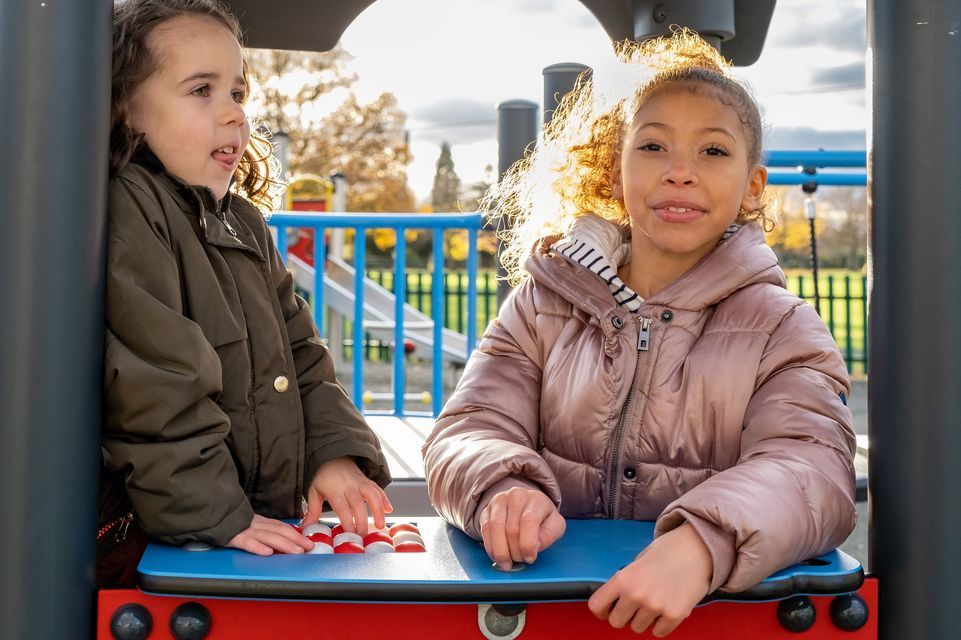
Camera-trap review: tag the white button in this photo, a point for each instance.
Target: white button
(281, 384)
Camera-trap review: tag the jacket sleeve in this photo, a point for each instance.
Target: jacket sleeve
(485, 440)
(162, 426)
(790, 496)
(334, 427)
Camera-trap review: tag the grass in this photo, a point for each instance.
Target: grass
(842, 303)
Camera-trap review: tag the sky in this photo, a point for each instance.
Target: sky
(451, 62)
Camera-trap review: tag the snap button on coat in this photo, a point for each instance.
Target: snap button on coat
(630, 474)
(667, 315)
(617, 322)
(281, 384)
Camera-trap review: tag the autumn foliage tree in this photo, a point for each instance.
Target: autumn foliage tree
(840, 226)
(308, 95)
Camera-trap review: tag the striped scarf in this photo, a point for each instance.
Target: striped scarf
(598, 246)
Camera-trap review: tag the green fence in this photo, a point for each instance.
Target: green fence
(843, 305)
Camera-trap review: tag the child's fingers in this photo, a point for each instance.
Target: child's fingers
(315, 506)
(343, 511)
(601, 601)
(376, 501)
(551, 530)
(385, 501)
(248, 543)
(279, 536)
(529, 538)
(358, 511)
(496, 535)
(512, 526)
(484, 526)
(663, 625)
(640, 621)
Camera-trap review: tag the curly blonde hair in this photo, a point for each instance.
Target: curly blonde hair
(569, 173)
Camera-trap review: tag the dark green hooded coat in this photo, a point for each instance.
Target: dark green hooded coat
(220, 398)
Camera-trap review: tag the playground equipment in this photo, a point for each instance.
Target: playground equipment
(379, 305)
(54, 219)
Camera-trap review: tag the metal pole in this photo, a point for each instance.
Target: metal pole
(915, 298)
(516, 131)
(335, 331)
(55, 70)
(809, 209)
(559, 80)
(281, 143)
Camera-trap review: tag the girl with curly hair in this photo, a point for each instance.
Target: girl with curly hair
(650, 364)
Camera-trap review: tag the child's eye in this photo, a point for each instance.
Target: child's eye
(239, 95)
(650, 146)
(202, 91)
(716, 150)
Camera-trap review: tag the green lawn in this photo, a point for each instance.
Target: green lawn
(842, 304)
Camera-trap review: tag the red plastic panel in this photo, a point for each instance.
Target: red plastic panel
(258, 619)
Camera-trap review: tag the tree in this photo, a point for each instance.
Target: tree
(368, 144)
(791, 238)
(840, 224)
(445, 194)
(470, 198)
(308, 96)
(847, 234)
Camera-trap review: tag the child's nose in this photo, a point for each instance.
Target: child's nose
(234, 113)
(680, 170)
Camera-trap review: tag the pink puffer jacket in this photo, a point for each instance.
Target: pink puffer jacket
(731, 416)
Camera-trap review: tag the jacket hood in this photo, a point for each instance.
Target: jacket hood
(741, 260)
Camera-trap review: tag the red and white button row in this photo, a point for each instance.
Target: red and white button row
(403, 537)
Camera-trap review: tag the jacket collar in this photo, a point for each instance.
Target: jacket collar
(741, 260)
(219, 224)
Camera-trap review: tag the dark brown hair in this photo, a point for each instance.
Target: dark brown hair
(134, 62)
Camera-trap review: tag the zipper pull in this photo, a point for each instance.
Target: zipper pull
(121, 534)
(644, 334)
(223, 218)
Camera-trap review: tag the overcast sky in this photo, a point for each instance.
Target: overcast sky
(451, 62)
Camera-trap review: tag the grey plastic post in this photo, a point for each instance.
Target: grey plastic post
(915, 312)
(559, 80)
(516, 131)
(281, 143)
(712, 19)
(55, 74)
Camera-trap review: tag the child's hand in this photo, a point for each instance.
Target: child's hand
(348, 492)
(266, 535)
(661, 586)
(519, 523)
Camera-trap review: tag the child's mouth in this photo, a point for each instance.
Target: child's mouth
(226, 156)
(678, 214)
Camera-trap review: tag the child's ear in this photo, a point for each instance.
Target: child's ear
(617, 186)
(754, 190)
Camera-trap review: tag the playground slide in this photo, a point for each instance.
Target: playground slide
(378, 308)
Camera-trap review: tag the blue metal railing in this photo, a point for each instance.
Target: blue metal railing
(807, 165)
(361, 223)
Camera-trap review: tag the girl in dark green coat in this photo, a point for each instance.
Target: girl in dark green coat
(222, 410)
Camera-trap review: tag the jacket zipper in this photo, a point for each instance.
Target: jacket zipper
(122, 524)
(223, 218)
(643, 344)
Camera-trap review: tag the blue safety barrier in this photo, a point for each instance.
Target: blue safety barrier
(807, 166)
(400, 222)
